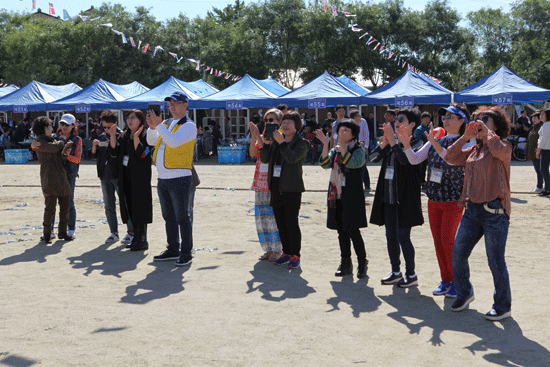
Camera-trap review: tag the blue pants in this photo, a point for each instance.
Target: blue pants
(72, 209)
(544, 167)
(398, 238)
(174, 203)
(536, 165)
(477, 222)
(109, 187)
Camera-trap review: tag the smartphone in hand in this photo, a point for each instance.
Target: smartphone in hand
(269, 129)
(155, 108)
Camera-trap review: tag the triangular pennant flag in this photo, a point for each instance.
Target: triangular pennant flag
(34, 4)
(85, 18)
(326, 4)
(378, 44)
(109, 25)
(173, 54)
(145, 48)
(124, 38)
(356, 29)
(334, 12)
(52, 10)
(207, 68)
(156, 49)
(65, 14)
(118, 33)
(181, 58)
(365, 34)
(390, 55)
(211, 71)
(381, 48)
(221, 72)
(139, 45)
(371, 41)
(198, 66)
(132, 42)
(98, 18)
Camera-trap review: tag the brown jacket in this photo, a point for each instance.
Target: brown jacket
(53, 176)
(532, 141)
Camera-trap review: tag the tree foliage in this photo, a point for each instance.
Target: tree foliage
(291, 40)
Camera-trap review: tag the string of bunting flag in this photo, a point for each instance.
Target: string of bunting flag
(371, 40)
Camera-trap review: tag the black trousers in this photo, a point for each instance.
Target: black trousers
(345, 238)
(286, 217)
(49, 213)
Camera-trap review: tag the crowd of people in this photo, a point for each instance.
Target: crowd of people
(465, 175)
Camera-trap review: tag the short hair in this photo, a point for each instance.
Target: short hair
(141, 117)
(426, 114)
(294, 116)
(338, 107)
(354, 113)
(282, 107)
(275, 111)
(413, 115)
(390, 111)
(501, 120)
(349, 123)
(546, 114)
(536, 114)
(109, 116)
(40, 124)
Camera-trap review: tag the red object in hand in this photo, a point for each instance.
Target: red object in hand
(439, 132)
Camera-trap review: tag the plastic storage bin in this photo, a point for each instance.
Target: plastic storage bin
(16, 156)
(232, 155)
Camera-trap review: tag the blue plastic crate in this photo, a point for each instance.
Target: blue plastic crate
(16, 156)
(232, 155)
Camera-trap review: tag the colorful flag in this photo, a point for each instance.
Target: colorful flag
(156, 49)
(381, 48)
(132, 42)
(145, 48)
(95, 19)
(173, 54)
(109, 25)
(390, 55)
(334, 12)
(65, 14)
(326, 5)
(34, 4)
(211, 71)
(378, 44)
(366, 34)
(52, 10)
(207, 68)
(124, 38)
(198, 66)
(139, 45)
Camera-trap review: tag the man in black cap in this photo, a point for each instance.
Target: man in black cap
(174, 141)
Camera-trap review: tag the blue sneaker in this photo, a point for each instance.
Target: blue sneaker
(294, 262)
(442, 288)
(283, 260)
(452, 291)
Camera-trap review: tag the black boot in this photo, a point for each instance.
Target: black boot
(141, 244)
(362, 268)
(345, 268)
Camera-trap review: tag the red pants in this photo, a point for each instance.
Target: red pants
(444, 221)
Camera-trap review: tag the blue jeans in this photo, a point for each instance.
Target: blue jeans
(109, 187)
(536, 165)
(477, 222)
(192, 201)
(72, 209)
(544, 167)
(398, 239)
(174, 203)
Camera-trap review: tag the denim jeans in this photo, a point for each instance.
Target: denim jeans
(536, 165)
(477, 222)
(72, 209)
(174, 203)
(398, 239)
(192, 201)
(109, 187)
(544, 167)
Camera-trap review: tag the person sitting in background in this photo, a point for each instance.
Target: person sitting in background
(107, 171)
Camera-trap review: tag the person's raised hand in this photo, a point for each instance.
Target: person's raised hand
(279, 138)
(404, 136)
(138, 133)
(323, 138)
(152, 119)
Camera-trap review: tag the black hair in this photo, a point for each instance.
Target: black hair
(282, 107)
(109, 116)
(294, 116)
(355, 129)
(40, 124)
(413, 115)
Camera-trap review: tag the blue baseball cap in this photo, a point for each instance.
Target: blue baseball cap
(177, 96)
(454, 110)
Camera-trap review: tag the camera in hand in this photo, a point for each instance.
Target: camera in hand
(155, 108)
(269, 129)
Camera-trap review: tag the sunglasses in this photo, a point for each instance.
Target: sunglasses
(447, 117)
(269, 120)
(485, 119)
(400, 119)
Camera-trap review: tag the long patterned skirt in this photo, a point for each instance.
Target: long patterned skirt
(268, 233)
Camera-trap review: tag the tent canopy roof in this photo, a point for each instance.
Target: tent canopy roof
(36, 95)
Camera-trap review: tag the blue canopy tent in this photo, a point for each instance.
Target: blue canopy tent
(353, 85)
(98, 96)
(200, 88)
(7, 90)
(325, 89)
(273, 86)
(503, 83)
(420, 89)
(35, 96)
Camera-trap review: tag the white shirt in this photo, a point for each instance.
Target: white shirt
(364, 134)
(544, 136)
(186, 133)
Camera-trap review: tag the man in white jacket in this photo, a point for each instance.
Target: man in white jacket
(174, 142)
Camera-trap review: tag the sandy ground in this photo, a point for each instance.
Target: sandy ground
(85, 303)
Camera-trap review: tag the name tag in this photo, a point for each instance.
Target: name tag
(125, 160)
(103, 144)
(343, 182)
(277, 171)
(389, 173)
(263, 167)
(436, 175)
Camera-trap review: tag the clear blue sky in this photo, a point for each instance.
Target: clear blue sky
(166, 9)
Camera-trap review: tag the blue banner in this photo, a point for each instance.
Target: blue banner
(20, 109)
(316, 103)
(404, 102)
(504, 98)
(234, 105)
(83, 108)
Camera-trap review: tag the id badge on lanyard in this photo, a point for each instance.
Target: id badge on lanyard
(436, 175)
(277, 171)
(389, 173)
(125, 160)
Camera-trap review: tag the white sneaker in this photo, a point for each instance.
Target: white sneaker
(536, 190)
(127, 239)
(71, 233)
(112, 238)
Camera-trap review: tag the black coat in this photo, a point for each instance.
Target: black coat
(354, 214)
(140, 198)
(408, 179)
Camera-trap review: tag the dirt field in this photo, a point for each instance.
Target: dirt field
(84, 303)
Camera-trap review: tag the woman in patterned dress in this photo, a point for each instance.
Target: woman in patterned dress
(268, 233)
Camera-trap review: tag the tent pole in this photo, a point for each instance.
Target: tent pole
(87, 132)
(375, 123)
(195, 115)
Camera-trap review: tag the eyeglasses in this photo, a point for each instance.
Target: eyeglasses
(400, 119)
(447, 117)
(175, 103)
(269, 120)
(485, 119)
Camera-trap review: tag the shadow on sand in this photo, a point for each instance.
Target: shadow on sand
(357, 295)
(272, 279)
(37, 253)
(505, 340)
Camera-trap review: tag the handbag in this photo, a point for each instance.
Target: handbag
(195, 180)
